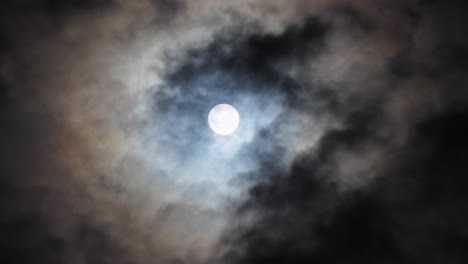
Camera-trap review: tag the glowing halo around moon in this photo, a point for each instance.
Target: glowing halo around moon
(223, 119)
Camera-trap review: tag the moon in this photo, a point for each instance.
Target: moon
(223, 119)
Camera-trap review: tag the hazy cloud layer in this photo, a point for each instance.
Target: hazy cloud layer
(351, 145)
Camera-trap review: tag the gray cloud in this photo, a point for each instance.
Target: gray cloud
(352, 119)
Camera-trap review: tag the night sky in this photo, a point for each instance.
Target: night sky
(352, 145)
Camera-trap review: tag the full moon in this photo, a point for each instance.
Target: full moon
(223, 119)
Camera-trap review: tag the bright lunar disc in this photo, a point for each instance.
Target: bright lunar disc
(223, 119)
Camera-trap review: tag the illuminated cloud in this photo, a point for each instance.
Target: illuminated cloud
(350, 148)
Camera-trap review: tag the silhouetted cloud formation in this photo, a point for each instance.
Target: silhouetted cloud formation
(351, 146)
(412, 209)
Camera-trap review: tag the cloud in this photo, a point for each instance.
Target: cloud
(362, 194)
(350, 146)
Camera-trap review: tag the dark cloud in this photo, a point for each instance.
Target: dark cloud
(54, 7)
(414, 212)
(252, 56)
(351, 147)
(413, 209)
(75, 5)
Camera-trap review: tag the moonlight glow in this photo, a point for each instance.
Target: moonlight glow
(223, 119)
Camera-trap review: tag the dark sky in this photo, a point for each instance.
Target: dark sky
(352, 145)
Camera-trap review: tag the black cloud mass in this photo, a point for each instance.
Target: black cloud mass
(352, 145)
